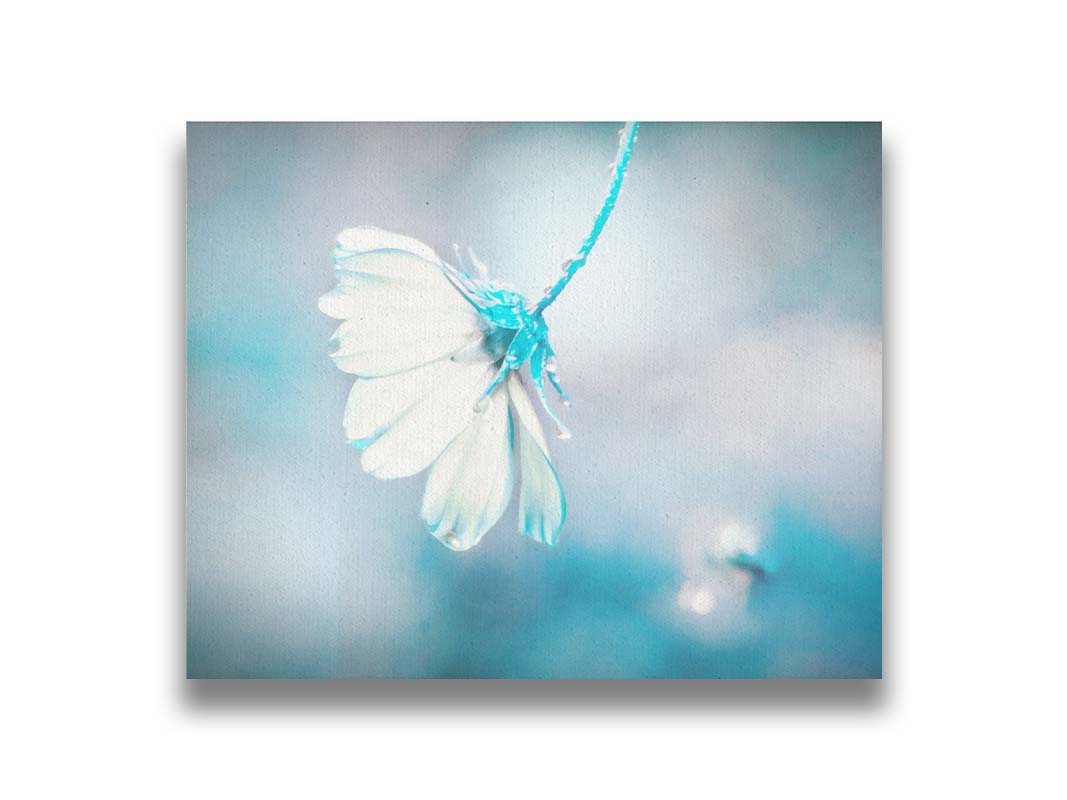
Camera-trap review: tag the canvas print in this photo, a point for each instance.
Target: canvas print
(534, 400)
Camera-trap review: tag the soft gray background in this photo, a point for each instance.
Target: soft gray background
(723, 348)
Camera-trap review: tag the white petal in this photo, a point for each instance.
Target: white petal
(399, 309)
(470, 484)
(366, 239)
(415, 292)
(421, 433)
(375, 403)
(373, 347)
(542, 506)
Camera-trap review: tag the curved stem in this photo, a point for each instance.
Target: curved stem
(627, 137)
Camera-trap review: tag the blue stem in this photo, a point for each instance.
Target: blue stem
(627, 136)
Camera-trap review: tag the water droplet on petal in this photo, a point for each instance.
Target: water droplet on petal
(451, 540)
(563, 433)
(481, 405)
(551, 364)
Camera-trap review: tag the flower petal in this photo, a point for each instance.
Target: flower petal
(399, 308)
(374, 347)
(367, 239)
(419, 435)
(470, 484)
(374, 404)
(542, 506)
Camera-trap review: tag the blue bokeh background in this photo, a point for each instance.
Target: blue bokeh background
(722, 347)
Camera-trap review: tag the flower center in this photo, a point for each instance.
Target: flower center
(496, 341)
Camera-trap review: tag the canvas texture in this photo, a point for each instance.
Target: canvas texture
(384, 321)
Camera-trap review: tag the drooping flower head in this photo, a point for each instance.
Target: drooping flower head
(437, 353)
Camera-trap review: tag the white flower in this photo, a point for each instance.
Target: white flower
(436, 354)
